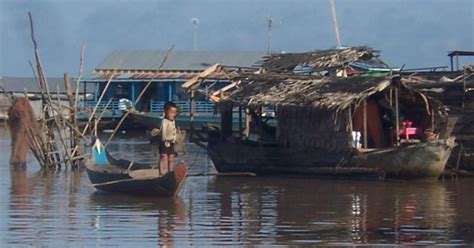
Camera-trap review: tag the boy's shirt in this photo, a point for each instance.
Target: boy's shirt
(168, 130)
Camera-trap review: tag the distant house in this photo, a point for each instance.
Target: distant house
(131, 70)
(19, 86)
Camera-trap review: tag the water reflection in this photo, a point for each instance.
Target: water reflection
(169, 213)
(337, 212)
(58, 208)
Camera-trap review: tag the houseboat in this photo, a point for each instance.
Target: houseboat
(329, 126)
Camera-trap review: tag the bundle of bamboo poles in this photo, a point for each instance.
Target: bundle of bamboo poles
(55, 139)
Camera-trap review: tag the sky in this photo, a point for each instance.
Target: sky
(414, 33)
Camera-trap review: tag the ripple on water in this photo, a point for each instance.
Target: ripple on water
(59, 209)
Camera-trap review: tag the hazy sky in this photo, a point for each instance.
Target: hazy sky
(417, 33)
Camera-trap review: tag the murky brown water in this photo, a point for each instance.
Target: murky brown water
(59, 209)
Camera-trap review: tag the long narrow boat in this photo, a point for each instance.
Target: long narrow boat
(424, 160)
(109, 174)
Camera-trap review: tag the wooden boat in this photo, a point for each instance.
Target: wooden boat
(454, 89)
(423, 160)
(109, 174)
(330, 126)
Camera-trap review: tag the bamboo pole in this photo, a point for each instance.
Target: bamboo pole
(139, 96)
(35, 74)
(365, 122)
(79, 77)
(94, 110)
(6, 94)
(94, 129)
(39, 74)
(61, 128)
(97, 104)
(75, 129)
(35, 147)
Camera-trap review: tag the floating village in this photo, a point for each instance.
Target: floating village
(342, 114)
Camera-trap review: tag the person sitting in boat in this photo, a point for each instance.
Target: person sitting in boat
(168, 138)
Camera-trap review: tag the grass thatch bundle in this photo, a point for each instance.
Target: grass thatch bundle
(24, 129)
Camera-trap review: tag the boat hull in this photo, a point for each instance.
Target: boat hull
(426, 160)
(110, 178)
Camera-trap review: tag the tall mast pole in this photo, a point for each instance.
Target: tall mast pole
(269, 45)
(334, 20)
(195, 22)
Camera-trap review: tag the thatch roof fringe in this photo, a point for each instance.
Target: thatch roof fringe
(325, 93)
(319, 59)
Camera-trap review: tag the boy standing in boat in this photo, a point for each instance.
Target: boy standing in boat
(167, 138)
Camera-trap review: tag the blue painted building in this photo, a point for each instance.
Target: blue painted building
(131, 70)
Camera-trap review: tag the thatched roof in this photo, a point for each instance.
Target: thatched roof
(319, 59)
(328, 93)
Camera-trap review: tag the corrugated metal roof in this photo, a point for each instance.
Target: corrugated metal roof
(157, 76)
(177, 60)
(19, 84)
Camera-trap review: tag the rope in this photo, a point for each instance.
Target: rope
(195, 159)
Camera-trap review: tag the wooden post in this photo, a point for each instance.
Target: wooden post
(397, 116)
(59, 121)
(365, 122)
(69, 91)
(226, 123)
(452, 66)
(463, 87)
(432, 120)
(191, 110)
(72, 109)
(457, 62)
(351, 128)
(240, 122)
(170, 91)
(133, 92)
(260, 125)
(248, 117)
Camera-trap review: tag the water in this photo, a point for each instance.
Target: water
(39, 208)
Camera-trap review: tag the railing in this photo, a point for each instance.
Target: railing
(113, 106)
(155, 106)
(91, 104)
(184, 106)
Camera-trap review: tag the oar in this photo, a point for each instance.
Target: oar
(225, 174)
(113, 182)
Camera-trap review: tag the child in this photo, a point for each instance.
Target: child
(168, 138)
